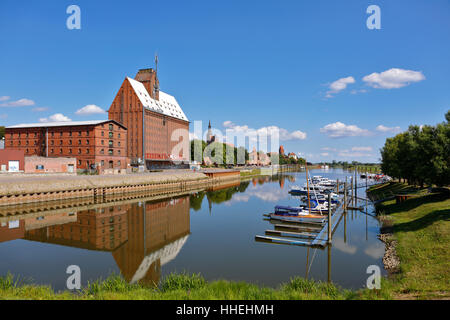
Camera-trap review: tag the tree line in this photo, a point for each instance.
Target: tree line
(420, 155)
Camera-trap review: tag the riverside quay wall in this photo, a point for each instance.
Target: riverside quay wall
(19, 190)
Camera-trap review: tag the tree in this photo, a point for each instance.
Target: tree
(419, 155)
(2, 132)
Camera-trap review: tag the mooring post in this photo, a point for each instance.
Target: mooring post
(337, 182)
(356, 185)
(351, 187)
(345, 197)
(329, 217)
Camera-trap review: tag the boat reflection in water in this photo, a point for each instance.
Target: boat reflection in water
(141, 236)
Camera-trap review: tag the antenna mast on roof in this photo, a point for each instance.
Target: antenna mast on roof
(156, 87)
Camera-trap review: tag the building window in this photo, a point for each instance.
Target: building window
(110, 127)
(70, 142)
(118, 135)
(111, 135)
(60, 151)
(87, 150)
(60, 142)
(70, 151)
(118, 151)
(53, 134)
(79, 142)
(70, 133)
(103, 133)
(102, 151)
(27, 142)
(20, 143)
(52, 151)
(103, 142)
(79, 133)
(61, 134)
(79, 151)
(118, 143)
(27, 134)
(79, 162)
(27, 151)
(103, 163)
(39, 167)
(87, 133)
(110, 151)
(87, 142)
(35, 134)
(52, 143)
(110, 143)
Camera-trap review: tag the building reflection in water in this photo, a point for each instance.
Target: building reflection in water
(142, 237)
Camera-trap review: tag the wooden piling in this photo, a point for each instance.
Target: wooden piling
(329, 218)
(345, 196)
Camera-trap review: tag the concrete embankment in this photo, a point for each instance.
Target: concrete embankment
(16, 190)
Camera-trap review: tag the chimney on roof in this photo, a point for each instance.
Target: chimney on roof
(149, 79)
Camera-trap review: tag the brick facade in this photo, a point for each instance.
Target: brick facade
(103, 144)
(127, 109)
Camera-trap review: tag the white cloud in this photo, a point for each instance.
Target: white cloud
(353, 154)
(339, 85)
(40, 109)
(18, 103)
(4, 98)
(57, 117)
(368, 149)
(342, 246)
(393, 78)
(375, 251)
(382, 128)
(284, 134)
(192, 136)
(324, 154)
(227, 124)
(90, 109)
(340, 130)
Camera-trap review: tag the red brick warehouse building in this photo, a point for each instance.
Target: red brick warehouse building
(153, 119)
(101, 144)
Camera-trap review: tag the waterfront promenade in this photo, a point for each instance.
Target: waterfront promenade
(19, 189)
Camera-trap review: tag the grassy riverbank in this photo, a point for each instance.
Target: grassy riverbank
(421, 229)
(181, 287)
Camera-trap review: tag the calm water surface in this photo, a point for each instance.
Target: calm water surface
(210, 232)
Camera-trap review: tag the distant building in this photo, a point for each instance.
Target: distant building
(98, 144)
(281, 151)
(209, 137)
(292, 155)
(258, 158)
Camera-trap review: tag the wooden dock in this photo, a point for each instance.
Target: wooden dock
(311, 234)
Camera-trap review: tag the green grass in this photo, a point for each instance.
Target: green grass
(187, 287)
(421, 226)
(254, 172)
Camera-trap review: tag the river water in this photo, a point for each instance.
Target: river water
(210, 232)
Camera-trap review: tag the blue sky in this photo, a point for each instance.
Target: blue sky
(254, 63)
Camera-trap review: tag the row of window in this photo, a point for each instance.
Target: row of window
(70, 134)
(52, 143)
(102, 151)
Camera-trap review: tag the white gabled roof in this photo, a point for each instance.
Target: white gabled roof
(58, 124)
(167, 104)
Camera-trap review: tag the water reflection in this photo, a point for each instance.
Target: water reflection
(142, 237)
(147, 240)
